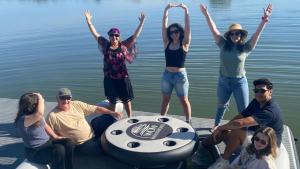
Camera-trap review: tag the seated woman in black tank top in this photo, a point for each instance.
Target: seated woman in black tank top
(176, 43)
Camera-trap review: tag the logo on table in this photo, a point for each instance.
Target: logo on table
(150, 130)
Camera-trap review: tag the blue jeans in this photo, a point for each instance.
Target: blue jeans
(177, 80)
(227, 86)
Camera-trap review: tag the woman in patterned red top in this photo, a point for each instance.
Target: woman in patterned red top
(117, 84)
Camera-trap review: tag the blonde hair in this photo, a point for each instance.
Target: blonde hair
(270, 149)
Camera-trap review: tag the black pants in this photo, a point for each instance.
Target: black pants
(57, 153)
(118, 89)
(101, 123)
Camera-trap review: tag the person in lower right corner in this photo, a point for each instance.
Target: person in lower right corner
(260, 153)
(262, 111)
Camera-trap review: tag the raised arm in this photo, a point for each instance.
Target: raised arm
(212, 26)
(261, 26)
(88, 17)
(140, 27)
(165, 24)
(38, 114)
(187, 27)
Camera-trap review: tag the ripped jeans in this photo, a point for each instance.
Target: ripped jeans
(227, 86)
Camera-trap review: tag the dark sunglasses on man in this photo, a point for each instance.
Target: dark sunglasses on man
(65, 97)
(261, 91)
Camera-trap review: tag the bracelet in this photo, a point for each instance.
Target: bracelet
(265, 19)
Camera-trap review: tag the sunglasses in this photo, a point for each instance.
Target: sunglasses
(65, 97)
(174, 31)
(261, 91)
(257, 139)
(114, 35)
(235, 33)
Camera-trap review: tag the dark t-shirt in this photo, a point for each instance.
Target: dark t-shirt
(269, 115)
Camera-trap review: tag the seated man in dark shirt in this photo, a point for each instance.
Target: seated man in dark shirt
(262, 111)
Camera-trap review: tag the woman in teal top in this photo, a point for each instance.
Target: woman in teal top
(234, 50)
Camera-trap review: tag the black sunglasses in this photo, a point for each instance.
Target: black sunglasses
(65, 97)
(235, 33)
(262, 91)
(257, 139)
(114, 35)
(174, 31)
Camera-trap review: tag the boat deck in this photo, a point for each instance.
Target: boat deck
(11, 146)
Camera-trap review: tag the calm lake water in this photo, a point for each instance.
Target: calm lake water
(45, 45)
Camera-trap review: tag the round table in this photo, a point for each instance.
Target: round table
(149, 141)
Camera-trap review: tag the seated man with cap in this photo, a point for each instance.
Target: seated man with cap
(68, 119)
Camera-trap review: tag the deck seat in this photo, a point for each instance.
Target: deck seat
(282, 160)
(30, 165)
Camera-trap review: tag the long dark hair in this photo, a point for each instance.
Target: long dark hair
(229, 44)
(180, 29)
(27, 105)
(271, 148)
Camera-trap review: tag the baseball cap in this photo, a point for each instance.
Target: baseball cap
(64, 92)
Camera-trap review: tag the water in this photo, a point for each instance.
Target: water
(45, 45)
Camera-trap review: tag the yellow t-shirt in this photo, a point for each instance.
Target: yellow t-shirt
(72, 123)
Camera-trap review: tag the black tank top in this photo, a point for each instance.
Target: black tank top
(175, 58)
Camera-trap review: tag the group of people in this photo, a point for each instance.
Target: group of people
(234, 50)
(262, 115)
(65, 130)
(53, 140)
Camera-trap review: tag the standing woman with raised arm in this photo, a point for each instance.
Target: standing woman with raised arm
(117, 85)
(234, 50)
(176, 43)
(35, 132)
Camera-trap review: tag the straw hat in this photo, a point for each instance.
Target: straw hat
(236, 27)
